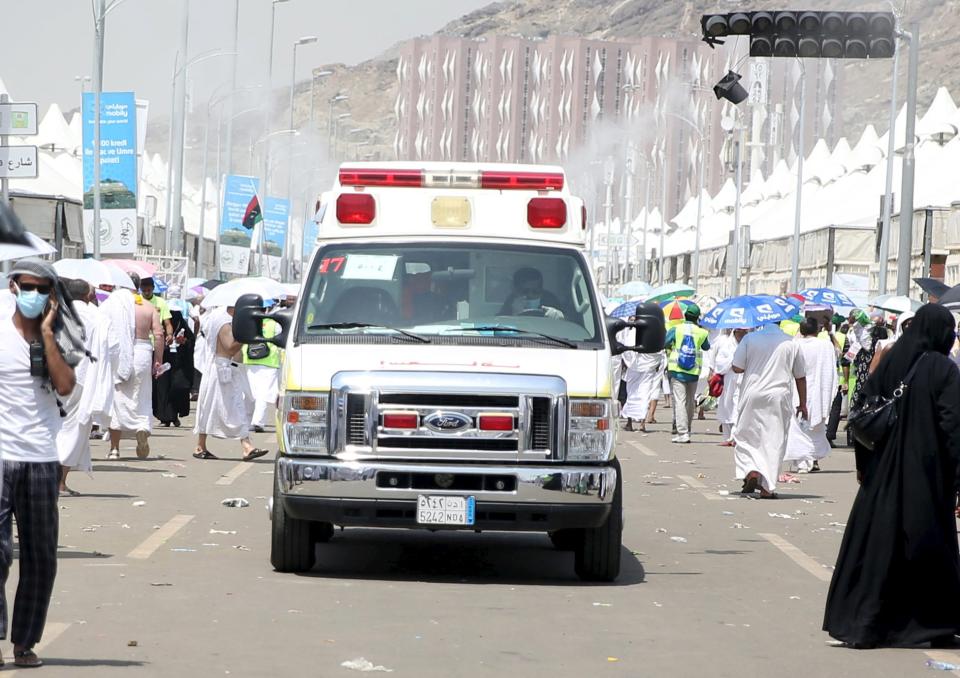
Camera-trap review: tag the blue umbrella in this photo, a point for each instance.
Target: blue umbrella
(750, 310)
(625, 310)
(827, 297)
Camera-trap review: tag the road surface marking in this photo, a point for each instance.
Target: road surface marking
(234, 473)
(799, 557)
(157, 539)
(642, 449)
(946, 658)
(700, 487)
(51, 631)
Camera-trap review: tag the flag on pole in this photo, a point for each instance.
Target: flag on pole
(253, 214)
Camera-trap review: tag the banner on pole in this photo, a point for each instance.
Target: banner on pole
(276, 225)
(118, 173)
(234, 237)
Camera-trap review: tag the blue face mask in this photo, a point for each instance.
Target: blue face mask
(31, 304)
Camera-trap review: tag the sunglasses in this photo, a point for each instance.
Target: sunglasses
(31, 287)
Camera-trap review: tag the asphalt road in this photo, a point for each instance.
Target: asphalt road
(711, 585)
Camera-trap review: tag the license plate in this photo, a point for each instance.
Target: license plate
(443, 510)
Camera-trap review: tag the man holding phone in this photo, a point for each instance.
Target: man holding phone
(33, 374)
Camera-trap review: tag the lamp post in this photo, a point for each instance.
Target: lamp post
(201, 242)
(269, 108)
(233, 83)
(336, 132)
(284, 267)
(83, 80)
(313, 82)
(795, 255)
(175, 172)
(100, 11)
(909, 164)
(331, 102)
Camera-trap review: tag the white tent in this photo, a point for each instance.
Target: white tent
(941, 122)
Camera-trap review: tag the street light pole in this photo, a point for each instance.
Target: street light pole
(313, 82)
(264, 184)
(734, 259)
(646, 221)
(888, 186)
(99, 24)
(904, 250)
(608, 218)
(335, 99)
(795, 256)
(233, 84)
(284, 268)
(627, 229)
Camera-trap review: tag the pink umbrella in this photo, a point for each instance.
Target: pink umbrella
(141, 268)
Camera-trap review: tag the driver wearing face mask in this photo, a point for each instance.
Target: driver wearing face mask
(529, 297)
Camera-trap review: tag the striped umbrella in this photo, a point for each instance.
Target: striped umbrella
(674, 310)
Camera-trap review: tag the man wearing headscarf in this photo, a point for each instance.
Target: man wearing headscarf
(771, 363)
(34, 373)
(807, 441)
(92, 398)
(897, 577)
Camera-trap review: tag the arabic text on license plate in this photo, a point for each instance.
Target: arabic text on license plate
(442, 510)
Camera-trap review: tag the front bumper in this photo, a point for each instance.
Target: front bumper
(534, 498)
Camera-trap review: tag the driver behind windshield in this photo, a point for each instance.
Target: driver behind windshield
(529, 298)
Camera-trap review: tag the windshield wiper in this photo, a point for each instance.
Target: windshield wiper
(356, 325)
(507, 328)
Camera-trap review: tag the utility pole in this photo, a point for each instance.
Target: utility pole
(904, 250)
(627, 229)
(178, 113)
(888, 190)
(608, 217)
(99, 25)
(646, 221)
(233, 83)
(795, 256)
(733, 263)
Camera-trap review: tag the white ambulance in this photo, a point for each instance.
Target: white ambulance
(447, 365)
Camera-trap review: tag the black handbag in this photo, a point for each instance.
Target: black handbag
(873, 421)
(258, 350)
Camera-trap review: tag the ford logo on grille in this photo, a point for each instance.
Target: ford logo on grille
(447, 422)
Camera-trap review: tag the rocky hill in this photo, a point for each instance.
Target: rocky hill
(372, 85)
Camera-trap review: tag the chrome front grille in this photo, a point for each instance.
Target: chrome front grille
(437, 415)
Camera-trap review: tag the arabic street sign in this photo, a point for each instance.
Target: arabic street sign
(18, 119)
(18, 162)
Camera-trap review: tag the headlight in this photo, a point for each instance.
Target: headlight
(305, 422)
(590, 437)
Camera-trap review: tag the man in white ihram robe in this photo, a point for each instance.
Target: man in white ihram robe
(723, 352)
(807, 442)
(771, 363)
(225, 404)
(642, 376)
(92, 398)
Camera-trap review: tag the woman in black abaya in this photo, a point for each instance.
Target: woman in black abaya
(172, 389)
(897, 579)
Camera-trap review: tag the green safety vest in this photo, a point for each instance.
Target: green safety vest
(699, 337)
(270, 329)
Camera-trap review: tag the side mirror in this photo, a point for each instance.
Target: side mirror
(650, 326)
(248, 317)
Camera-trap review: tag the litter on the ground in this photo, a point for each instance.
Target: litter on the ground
(681, 540)
(602, 605)
(212, 531)
(785, 516)
(140, 503)
(942, 666)
(235, 502)
(364, 665)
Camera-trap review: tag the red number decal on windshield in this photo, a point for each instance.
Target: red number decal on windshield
(331, 263)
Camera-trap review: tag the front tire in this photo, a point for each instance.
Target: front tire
(292, 543)
(597, 556)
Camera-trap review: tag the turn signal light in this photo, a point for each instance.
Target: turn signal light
(547, 213)
(402, 420)
(495, 422)
(356, 208)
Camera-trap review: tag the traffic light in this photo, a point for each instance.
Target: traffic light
(812, 35)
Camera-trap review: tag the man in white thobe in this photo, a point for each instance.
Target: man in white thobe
(771, 363)
(807, 442)
(225, 404)
(641, 372)
(90, 399)
(723, 353)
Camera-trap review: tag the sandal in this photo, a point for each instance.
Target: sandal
(750, 484)
(255, 453)
(203, 454)
(26, 659)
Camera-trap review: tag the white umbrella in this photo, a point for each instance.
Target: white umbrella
(90, 270)
(37, 248)
(120, 278)
(228, 293)
(894, 303)
(291, 289)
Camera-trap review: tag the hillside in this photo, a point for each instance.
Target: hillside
(372, 85)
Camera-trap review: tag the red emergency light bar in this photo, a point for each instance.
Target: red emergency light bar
(412, 178)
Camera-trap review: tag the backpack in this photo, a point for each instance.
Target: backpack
(687, 353)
